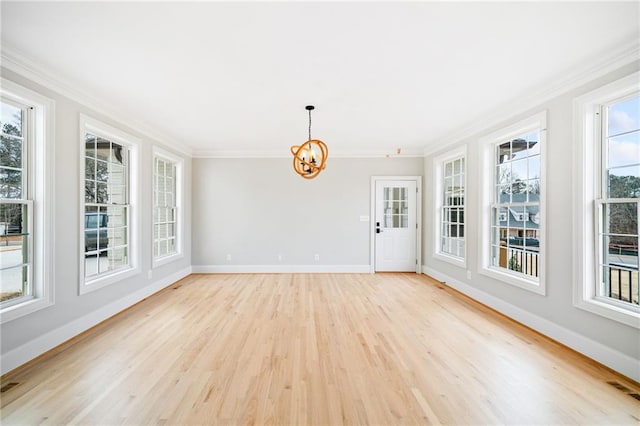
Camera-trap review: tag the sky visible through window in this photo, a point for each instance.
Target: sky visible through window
(624, 138)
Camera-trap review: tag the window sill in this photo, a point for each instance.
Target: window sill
(604, 308)
(515, 280)
(26, 307)
(457, 261)
(160, 261)
(112, 278)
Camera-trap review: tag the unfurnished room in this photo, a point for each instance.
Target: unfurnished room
(319, 213)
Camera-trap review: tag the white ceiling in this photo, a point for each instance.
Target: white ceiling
(229, 78)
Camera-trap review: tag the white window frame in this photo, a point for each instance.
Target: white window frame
(587, 158)
(438, 168)
(178, 199)
(40, 193)
(537, 122)
(98, 128)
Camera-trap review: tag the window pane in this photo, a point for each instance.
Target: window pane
(622, 251)
(90, 145)
(102, 171)
(518, 149)
(103, 147)
(15, 258)
(11, 151)
(14, 251)
(13, 283)
(117, 258)
(118, 194)
(10, 183)
(624, 182)
(621, 284)
(456, 167)
(117, 174)
(621, 218)
(534, 167)
(95, 236)
(89, 168)
(117, 154)
(13, 219)
(101, 193)
(90, 192)
(91, 264)
(448, 169)
(624, 150)
(503, 184)
(10, 119)
(514, 261)
(160, 167)
(504, 153)
(534, 145)
(533, 190)
(117, 216)
(624, 117)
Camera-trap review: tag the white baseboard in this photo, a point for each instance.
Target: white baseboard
(280, 269)
(50, 340)
(613, 359)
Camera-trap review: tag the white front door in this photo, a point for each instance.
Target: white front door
(395, 225)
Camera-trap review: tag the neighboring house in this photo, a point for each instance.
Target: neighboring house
(519, 224)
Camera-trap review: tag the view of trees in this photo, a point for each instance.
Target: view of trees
(11, 174)
(623, 217)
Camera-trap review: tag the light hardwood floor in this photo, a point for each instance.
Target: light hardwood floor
(328, 349)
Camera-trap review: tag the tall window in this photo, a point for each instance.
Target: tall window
(26, 143)
(450, 178)
(167, 171)
(619, 196)
(607, 179)
(515, 200)
(107, 220)
(16, 255)
(516, 206)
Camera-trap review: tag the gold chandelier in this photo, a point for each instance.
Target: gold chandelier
(310, 158)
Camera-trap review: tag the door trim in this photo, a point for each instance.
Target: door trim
(372, 221)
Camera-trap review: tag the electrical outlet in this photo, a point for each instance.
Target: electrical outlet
(317, 257)
(150, 274)
(228, 257)
(279, 258)
(468, 275)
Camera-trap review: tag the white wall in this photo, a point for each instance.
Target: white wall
(28, 336)
(257, 209)
(615, 344)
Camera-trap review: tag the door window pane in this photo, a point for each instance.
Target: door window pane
(396, 213)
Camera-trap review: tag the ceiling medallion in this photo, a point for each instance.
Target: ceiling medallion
(310, 158)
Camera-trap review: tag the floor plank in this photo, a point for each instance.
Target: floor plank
(322, 349)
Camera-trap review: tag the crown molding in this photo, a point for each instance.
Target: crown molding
(604, 63)
(40, 74)
(405, 153)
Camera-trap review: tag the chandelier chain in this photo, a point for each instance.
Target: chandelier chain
(309, 124)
